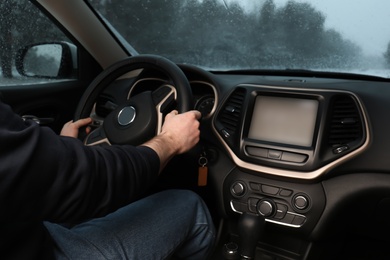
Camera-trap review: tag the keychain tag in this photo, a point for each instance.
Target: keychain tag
(202, 171)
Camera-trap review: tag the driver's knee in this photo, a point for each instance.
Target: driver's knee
(201, 235)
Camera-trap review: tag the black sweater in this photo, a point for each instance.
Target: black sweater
(47, 177)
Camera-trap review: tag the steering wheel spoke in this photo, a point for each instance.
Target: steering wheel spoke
(97, 137)
(165, 101)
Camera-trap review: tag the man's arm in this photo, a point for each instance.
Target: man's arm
(44, 176)
(48, 177)
(179, 133)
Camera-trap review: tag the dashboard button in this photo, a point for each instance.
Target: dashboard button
(298, 220)
(275, 154)
(294, 157)
(280, 211)
(288, 219)
(285, 193)
(252, 204)
(256, 151)
(239, 206)
(269, 189)
(254, 186)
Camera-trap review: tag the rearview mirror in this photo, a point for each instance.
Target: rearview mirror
(47, 60)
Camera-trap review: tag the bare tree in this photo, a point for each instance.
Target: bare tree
(6, 38)
(387, 55)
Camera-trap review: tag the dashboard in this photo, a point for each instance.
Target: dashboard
(308, 153)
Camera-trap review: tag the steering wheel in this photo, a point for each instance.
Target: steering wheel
(140, 117)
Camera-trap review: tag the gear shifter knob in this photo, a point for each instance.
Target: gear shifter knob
(250, 228)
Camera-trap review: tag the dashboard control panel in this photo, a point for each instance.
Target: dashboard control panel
(282, 203)
(271, 202)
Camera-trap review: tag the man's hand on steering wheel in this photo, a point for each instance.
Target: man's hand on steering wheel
(71, 128)
(182, 130)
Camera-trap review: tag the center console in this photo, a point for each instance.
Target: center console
(282, 140)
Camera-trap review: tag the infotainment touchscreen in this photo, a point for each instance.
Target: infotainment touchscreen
(284, 120)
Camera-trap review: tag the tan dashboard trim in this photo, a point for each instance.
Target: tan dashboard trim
(300, 174)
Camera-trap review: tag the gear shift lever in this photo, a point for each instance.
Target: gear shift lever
(250, 228)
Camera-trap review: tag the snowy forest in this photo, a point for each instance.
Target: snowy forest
(207, 33)
(212, 33)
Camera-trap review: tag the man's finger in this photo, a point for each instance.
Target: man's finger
(82, 122)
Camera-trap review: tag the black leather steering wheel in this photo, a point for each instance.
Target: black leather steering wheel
(140, 117)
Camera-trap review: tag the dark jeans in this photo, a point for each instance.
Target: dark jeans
(173, 222)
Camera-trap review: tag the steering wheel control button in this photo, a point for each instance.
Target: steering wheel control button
(265, 208)
(238, 189)
(126, 116)
(269, 189)
(301, 202)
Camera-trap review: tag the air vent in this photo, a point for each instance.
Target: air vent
(346, 123)
(104, 106)
(230, 115)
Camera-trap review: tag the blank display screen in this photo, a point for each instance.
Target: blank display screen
(284, 120)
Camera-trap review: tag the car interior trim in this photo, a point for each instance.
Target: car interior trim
(134, 86)
(100, 142)
(159, 110)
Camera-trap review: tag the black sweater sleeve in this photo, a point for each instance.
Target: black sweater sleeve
(47, 177)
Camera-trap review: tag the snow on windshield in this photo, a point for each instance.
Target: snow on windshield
(332, 35)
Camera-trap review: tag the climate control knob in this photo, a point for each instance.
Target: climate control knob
(301, 202)
(238, 189)
(266, 207)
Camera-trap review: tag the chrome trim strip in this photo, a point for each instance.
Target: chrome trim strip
(274, 221)
(297, 174)
(286, 224)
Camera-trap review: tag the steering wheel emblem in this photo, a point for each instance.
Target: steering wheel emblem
(126, 116)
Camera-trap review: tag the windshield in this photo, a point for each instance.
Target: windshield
(333, 36)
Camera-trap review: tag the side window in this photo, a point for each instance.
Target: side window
(32, 48)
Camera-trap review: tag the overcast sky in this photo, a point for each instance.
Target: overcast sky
(366, 22)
